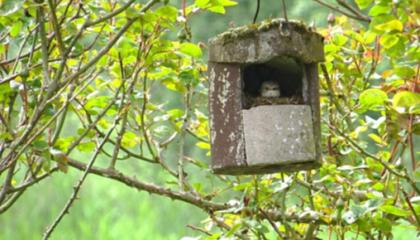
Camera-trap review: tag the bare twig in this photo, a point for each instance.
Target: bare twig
(276, 229)
(11, 201)
(44, 42)
(7, 182)
(337, 9)
(56, 27)
(333, 97)
(199, 229)
(73, 197)
(151, 188)
(354, 10)
(407, 199)
(118, 11)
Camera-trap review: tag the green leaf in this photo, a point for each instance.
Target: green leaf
(203, 145)
(227, 3)
(378, 186)
(377, 139)
(379, 10)
(339, 40)
(382, 223)
(406, 101)
(202, 3)
(405, 72)
(389, 40)
(173, 85)
(64, 143)
(167, 12)
(371, 99)
(395, 210)
(97, 102)
(15, 30)
(5, 136)
(393, 25)
(86, 147)
(190, 49)
(218, 9)
(40, 144)
(363, 3)
(175, 113)
(129, 140)
(125, 46)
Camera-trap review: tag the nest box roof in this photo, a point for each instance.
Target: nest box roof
(262, 42)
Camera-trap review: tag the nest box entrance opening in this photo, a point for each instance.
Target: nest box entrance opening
(275, 82)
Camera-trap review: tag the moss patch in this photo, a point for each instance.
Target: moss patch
(252, 30)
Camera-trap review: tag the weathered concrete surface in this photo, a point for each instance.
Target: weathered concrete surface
(225, 106)
(263, 42)
(311, 74)
(279, 135)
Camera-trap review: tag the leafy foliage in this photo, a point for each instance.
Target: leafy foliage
(108, 81)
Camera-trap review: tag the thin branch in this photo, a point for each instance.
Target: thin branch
(382, 162)
(44, 42)
(360, 195)
(77, 188)
(22, 47)
(151, 188)
(32, 181)
(7, 182)
(407, 199)
(354, 10)
(123, 111)
(56, 27)
(116, 12)
(199, 229)
(333, 97)
(181, 177)
(337, 9)
(11, 201)
(276, 229)
(15, 75)
(201, 139)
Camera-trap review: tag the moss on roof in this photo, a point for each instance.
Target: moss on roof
(250, 30)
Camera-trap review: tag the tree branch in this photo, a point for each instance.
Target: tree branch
(151, 188)
(337, 9)
(77, 188)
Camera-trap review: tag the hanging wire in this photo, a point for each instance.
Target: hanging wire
(284, 11)
(284, 26)
(256, 12)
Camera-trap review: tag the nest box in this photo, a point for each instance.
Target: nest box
(264, 98)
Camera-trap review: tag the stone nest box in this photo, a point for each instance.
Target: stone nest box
(264, 98)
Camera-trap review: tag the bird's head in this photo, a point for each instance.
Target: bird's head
(270, 89)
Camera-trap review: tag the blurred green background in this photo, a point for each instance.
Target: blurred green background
(111, 210)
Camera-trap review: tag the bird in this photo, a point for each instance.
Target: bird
(270, 89)
(269, 93)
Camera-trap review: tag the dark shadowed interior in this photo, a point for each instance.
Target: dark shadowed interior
(285, 70)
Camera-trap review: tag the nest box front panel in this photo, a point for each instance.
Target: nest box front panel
(226, 127)
(278, 137)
